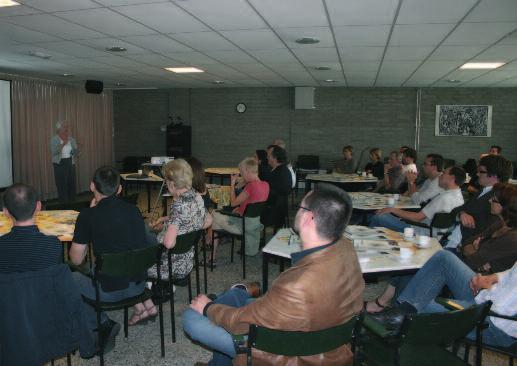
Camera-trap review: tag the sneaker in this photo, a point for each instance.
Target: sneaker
(252, 288)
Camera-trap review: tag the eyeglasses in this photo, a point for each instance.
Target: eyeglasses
(482, 171)
(304, 208)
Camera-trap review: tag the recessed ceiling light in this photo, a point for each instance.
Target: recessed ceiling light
(4, 3)
(40, 54)
(307, 40)
(321, 68)
(218, 82)
(183, 70)
(481, 65)
(67, 75)
(120, 84)
(330, 81)
(453, 81)
(116, 49)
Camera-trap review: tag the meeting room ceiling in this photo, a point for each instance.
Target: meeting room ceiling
(252, 43)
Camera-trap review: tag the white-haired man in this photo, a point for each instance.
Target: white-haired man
(64, 149)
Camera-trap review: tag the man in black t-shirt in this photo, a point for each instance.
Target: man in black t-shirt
(25, 248)
(280, 185)
(110, 225)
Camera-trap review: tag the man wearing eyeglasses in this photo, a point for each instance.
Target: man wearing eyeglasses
(474, 216)
(323, 288)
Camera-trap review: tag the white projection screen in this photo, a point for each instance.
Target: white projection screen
(6, 152)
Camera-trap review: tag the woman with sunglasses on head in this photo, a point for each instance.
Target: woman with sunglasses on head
(495, 249)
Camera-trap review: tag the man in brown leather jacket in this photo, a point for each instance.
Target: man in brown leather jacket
(323, 288)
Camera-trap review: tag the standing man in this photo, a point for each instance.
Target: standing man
(64, 149)
(322, 289)
(432, 167)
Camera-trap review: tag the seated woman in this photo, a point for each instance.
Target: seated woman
(199, 180)
(494, 250)
(375, 167)
(468, 288)
(393, 176)
(254, 191)
(187, 214)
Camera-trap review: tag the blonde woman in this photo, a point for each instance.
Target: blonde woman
(375, 167)
(187, 214)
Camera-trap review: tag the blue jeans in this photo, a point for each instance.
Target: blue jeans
(446, 269)
(87, 289)
(390, 221)
(199, 328)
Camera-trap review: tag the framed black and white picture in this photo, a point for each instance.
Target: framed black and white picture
(463, 120)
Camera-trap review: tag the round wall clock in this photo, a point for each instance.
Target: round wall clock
(240, 107)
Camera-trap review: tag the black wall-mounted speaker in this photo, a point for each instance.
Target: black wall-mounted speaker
(93, 86)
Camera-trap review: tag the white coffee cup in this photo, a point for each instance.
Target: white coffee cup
(364, 174)
(396, 196)
(391, 202)
(409, 232)
(424, 241)
(140, 171)
(406, 252)
(369, 175)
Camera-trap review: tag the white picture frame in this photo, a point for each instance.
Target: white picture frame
(463, 120)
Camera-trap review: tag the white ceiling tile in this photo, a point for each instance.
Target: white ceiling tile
(419, 34)
(404, 53)
(24, 50)
(366, 66)
(154, 60)
(164, 17)
(510, 66)
(106, 21)
(435, 11)
(17, 10)
(435, 69)
(508, 83)
(277, 83)
(72, 49)
(233, 57)
(23, 35)
(158, 43)
(479, 33)
(257, 39)
(216, 14)
(361, 53)
(361, 12)
(274, 56)
(372, 35)
(251, 83)
(503, 53)
(464, 75)
(101, 44)
(358, 83)
(290, 35)
(419, 83)
(54, 26)
(192, 58)
(119, 61)
(455, 53)
(389, 82)
(289, 13)
(205, 41)
(128, 2)
(510, 39)
(494, 11)
(83, 62)
(315, 54)
(60, 5)
(290, 67)
(399, 67)
(490, 78)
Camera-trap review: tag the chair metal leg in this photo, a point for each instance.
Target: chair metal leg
(212, 253)
(233, 247)
(243, 243)
(162, 332)
(204, 266)
(189, 284)
(466, 354)
(173, 320)
(52, 362)
(196, 267)
(69, 359)
(126, 321)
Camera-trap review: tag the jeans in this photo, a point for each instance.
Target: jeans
(446, 269)
(199, 328)
(389, 221)
(87, 289)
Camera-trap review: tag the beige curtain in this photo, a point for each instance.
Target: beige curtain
(36, 106)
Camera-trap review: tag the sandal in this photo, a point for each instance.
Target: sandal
(376, 301)
(141, 318)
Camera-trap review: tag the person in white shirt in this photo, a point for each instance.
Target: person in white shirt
(409, 161)
(432, 168)
(451, 180)
(467, 287)
(63, 148)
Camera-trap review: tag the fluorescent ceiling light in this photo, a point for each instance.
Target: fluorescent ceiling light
(4, 3)
(481, 65)
(183, 70)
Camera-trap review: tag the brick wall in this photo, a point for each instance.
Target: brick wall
(362, 117)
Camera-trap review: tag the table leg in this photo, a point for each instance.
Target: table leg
(265, 272)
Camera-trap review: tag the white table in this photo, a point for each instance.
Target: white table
(369, 201)
(151, 179)
(343, 180)
(376, 257)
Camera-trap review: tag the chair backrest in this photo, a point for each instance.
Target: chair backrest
(127, 264)
(132, 198)
(442, 328)
(443, 220)
(254, 209)
(295, 343)
(186, 241)
(308, 162)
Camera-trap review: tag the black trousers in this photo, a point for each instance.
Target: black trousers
(64, 175)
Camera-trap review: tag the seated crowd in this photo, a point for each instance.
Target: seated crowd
(478, 262)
